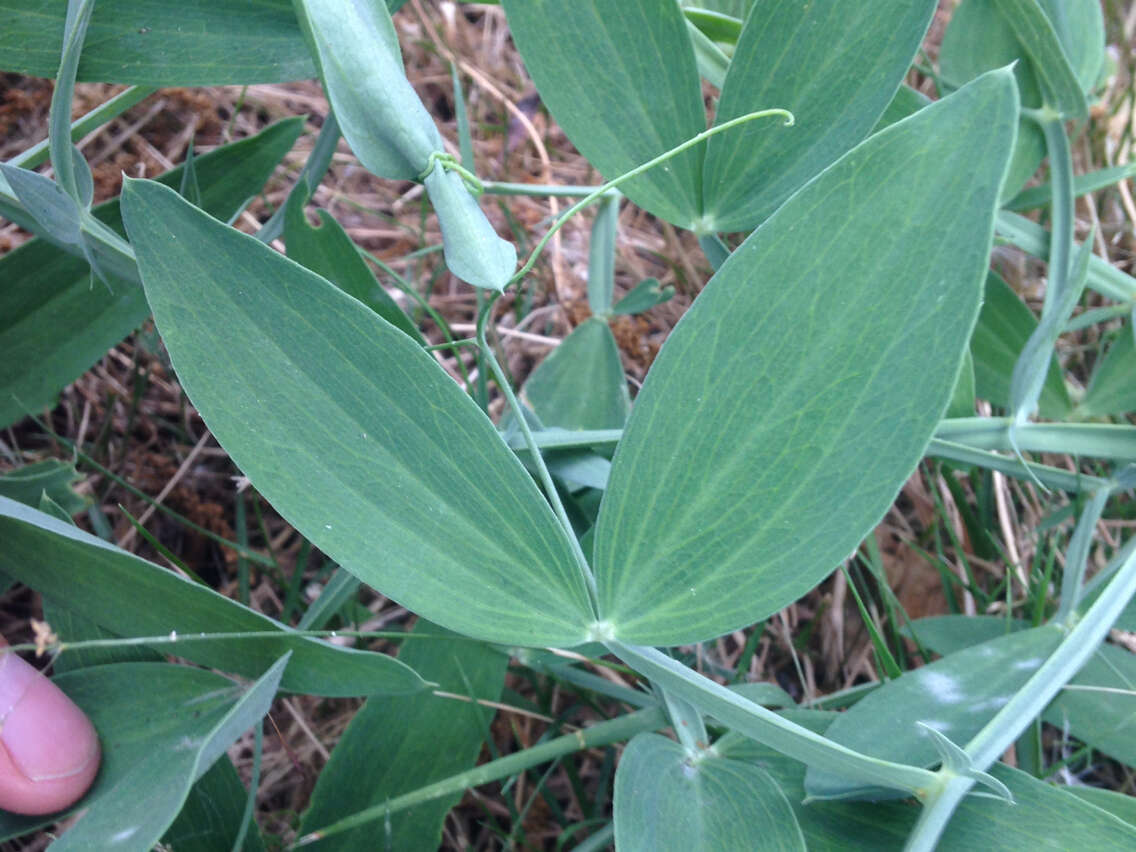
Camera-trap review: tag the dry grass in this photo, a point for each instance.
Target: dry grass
(130, 415)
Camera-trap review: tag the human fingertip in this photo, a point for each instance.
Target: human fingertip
(49, 751)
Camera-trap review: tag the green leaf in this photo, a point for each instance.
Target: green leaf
(619, 77)
(51, 477)
(161, 42)
(212, 815)
(56, 215)
(360, 63)
(96, 580)
(473, 251)
(1004, 326)
(1113, 390)
(1042, 816)
(54, 324)
(1079, 25)
(667, 800)
(946, 634)
(645, 295)
(580, 384)
(907, 101)
(421, 738)
(956, 696)
(75, 628)
(1117, 804)
(828, 398)
(354, 433)
(835, 66)
(979, 39)
(161, 727)
(326, 250)
(1061, 90)
(1098, 706)
(733, 8)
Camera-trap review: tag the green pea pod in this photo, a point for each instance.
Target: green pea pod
(474, 252)
(356, 50)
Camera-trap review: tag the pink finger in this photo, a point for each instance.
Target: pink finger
(49, 752)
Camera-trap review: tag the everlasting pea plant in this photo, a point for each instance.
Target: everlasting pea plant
(836, 346)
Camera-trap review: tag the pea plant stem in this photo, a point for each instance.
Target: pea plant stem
(638, 170)
(538, 459)
(1080, 643)
(767, 727)
(604, 733)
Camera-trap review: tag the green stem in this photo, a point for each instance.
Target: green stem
(538, 458)
(1077, 555)
(59, 118)
(1102, 440)
(1079, 645)
(494, 187)
(1030, 237)
(80, 127)
(767, 727)
(318, 162)
(638, 170)
(602, 734)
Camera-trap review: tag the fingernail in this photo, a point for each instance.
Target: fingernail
(46, 736)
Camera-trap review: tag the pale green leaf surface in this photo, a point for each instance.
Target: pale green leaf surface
(1044, 816)
(1060, 87)
(978, 39)
(946, 634)
(473, 251)
(1117, 804)
(580, 384)
(360, 64)
(733, 8)
(396, 745)
(956, 695)
(907, 101)
(664, 802)
(1004, 326)
(54, 324)
(354, 433)
(327, 250)
(827, 364)
(1113, 387)
(161, 727)
(835, 66)
(56, 215)
(161, 42)
(619, 76)
(716, 26)
(96, 580)
(212, 814)
(1079, 25)
(1105, 719)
